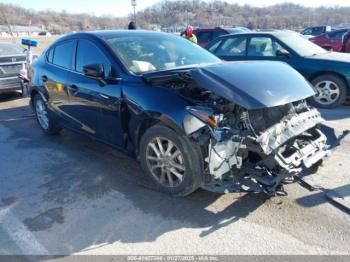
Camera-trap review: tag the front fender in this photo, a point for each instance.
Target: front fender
(146, 105)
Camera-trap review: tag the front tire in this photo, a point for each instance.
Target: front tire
(331, 91)
(44, 118)
(172, 163)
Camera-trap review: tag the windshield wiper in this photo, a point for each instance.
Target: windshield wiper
(160, 78)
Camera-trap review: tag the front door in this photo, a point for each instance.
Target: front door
(266, 48)
(94, 103)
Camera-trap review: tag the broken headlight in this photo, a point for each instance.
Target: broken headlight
(206, 115)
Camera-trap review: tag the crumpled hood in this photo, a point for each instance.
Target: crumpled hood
(254, 84)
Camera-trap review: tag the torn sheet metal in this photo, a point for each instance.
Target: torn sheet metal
(280, 133)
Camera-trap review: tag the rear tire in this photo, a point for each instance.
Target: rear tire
(45, 119)
(332, 91)
(164, 153)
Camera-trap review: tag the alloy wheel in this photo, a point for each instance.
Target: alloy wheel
(41, 114)
(327, 92)
(165, 161)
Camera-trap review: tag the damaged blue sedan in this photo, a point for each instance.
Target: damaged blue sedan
(190, 119)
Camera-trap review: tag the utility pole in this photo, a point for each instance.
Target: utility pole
(133, 3)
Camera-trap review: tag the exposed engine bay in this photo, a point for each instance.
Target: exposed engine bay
(254, 150)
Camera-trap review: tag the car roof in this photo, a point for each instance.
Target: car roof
(220, 29)
(334, 31)
(109, 34)
(277, 33)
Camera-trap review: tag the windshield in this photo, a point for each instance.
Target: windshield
(10, 49)
(301, 46)
(155, 52)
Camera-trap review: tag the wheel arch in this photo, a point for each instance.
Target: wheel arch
(36, 91)
(151, 120)
(320, 73)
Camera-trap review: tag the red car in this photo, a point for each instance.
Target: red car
(337, 41)
(204, 36)
(346, 44)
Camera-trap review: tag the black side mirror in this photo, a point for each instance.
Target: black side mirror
(282, 53)
(94, 70)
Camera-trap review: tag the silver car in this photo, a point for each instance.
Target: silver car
(12, 65)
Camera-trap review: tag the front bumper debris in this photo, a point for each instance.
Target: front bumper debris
(284, 151)
(280, 133)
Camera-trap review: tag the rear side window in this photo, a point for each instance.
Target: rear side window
(263, 46)
(50, 55)
(63, 54)
(87, 54)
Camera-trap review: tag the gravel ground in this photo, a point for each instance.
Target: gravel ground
(68, 195)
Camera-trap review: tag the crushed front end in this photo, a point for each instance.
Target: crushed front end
(258, 150)
(254, 127)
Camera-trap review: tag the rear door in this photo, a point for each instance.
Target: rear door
(59, 60)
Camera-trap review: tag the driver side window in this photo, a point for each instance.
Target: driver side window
(263, 46)
(87, 54)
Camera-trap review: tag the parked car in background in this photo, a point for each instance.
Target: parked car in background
(332, 40)
(341, 26)
(329, 72)
(12, 65)
(189, 118)
(346, 43)
(316, 30)
(205, 35)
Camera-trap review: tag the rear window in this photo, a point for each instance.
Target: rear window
(10, 49)
(204, 36)
(314, 31)
(63, 55)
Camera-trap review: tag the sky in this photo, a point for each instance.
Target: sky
(120, 8)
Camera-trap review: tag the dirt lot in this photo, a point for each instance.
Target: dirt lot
(68, 195)
(43, 40)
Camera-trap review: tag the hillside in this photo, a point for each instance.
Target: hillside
(179, 13)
